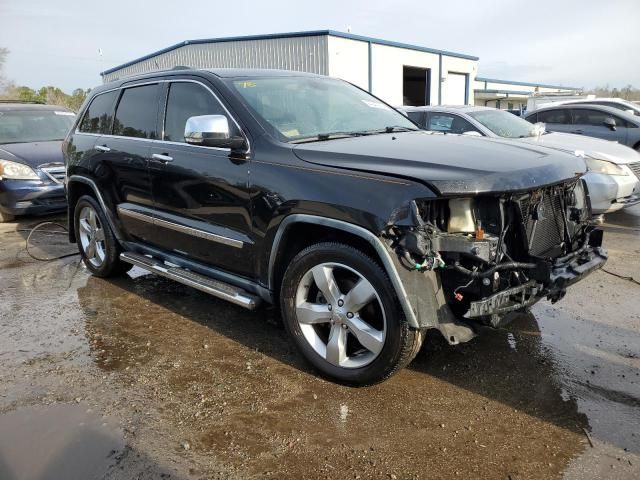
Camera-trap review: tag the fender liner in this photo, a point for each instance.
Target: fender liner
(108, 213)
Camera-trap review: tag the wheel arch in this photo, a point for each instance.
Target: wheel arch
(78, 186)
(355, 235)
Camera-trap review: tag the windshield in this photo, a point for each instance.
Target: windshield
(34, 125)
(504, 124)
(299, 108)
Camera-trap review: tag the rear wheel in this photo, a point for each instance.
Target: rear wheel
(342, 313)
(98, 246)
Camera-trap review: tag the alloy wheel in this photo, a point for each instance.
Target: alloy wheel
(91, 236)
(340, 315)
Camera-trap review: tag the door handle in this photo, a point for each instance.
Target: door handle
(161, 157)
(102, 148)
(579, 132)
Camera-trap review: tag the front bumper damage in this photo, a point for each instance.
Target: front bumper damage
(564, 272)
(455, 282)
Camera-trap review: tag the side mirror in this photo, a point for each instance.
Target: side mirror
(472, 133)
(211, 131)
(539, 128)
(610, 122)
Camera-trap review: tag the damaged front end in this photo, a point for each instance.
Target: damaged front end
(485, 256)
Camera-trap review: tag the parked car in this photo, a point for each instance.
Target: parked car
(612, 179)
(590, 120)
(535, 103)
(308, 192)
(31, 163)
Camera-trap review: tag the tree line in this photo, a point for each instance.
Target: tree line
(48, 95)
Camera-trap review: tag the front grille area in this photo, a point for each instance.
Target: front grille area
(542, 219)
(635, 168)
(435, 212)
(55, 172)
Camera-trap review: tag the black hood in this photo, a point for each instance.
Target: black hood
(452, 164)
(33, 154)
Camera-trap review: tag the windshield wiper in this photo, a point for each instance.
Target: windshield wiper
(329, 136)
(337, 135)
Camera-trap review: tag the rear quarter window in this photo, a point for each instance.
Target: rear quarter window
(99, 115)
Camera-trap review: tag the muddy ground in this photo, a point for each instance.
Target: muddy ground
(140, 378)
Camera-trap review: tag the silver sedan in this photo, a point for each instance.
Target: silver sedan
(614, 169)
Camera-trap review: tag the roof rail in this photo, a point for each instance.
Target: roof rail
(181, 67)
(36, 102)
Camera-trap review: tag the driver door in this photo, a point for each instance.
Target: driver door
(200, 194)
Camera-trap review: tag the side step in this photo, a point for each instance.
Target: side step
(208, 285)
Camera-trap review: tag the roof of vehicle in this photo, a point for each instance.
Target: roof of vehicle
(451, 108)
(575, 106)
(26, 106)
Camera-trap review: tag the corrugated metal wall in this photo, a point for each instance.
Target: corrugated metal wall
(306, 54)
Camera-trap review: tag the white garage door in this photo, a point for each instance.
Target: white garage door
(454, 89)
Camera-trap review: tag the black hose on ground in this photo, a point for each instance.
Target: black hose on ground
(37, 227)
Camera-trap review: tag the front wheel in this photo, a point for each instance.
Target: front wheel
(343, 315)
(98, 246)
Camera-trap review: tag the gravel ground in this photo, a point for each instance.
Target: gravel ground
(142, 378)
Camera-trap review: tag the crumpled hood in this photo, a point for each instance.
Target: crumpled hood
(592, 147)
(451, 164)
(33, 154)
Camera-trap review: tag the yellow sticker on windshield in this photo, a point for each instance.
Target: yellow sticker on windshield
(247, 84)
(291, 133)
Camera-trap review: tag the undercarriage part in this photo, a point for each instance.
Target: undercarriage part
(485, 250)
(492, 270)
(509, 300)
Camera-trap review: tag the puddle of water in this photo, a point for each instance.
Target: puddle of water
(57, 442)
(597, 367)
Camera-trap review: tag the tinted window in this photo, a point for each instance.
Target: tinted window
(99, 115)
(594, 117)
(554, 116)
(533, 118)
(136, 112)
(417, 117)
(444, 122)
(188, 100)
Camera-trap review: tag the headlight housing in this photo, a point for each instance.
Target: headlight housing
(16, 171)
(602, 166)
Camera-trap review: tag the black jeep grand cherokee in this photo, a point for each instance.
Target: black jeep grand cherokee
(302, 190)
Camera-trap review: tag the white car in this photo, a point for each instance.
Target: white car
(614, 169)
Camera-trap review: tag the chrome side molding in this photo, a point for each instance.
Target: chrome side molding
(194, 232)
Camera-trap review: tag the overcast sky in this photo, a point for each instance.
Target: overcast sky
(566, 42)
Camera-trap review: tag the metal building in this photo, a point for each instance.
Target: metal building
(399, 73)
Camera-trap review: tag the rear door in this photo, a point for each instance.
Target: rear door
(201, 194)
(590, 122)
(124, 165)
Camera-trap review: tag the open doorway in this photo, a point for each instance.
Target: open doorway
(416, 86)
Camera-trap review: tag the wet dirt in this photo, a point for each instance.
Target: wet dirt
(193, 387)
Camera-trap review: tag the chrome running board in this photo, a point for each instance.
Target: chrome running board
(205, 284)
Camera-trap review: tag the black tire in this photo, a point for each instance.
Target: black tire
(111, 265)
(401, 343)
